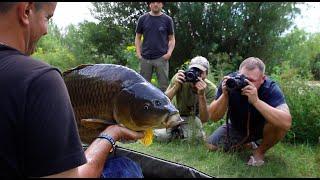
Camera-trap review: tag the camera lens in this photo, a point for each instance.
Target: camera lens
(190, 76)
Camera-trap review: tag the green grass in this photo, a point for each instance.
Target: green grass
(283, 160)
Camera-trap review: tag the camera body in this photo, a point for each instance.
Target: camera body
(236, 83)
(192, 74)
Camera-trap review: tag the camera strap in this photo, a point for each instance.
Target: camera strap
(228, 142)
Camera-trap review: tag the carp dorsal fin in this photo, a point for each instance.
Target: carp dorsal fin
(81, 66)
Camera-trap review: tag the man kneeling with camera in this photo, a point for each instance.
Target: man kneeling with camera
(256, 109)
(191, 93)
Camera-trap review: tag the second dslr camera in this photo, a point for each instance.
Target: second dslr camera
(236, 83)
(192, 74)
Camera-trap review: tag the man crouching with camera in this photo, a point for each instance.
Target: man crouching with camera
(191, 92)
(256, 109)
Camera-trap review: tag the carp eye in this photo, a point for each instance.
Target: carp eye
(157, 103)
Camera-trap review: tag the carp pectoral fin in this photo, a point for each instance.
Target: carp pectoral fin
(96, 123)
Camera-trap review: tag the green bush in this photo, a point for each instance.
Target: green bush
(303, 101)
(131, 59)
(59, 57)
(315, 67)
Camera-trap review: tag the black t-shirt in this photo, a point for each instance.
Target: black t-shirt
(155, 30)
(38, 131)
(269, 92)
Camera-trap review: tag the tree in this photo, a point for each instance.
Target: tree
(300, 50)
(52, 50)
(238, 29)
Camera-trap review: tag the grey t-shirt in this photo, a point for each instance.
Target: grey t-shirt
(155, 30)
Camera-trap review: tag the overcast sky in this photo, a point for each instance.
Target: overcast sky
(75, 12)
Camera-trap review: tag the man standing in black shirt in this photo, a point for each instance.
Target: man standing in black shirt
(39, 136)
(158, 43)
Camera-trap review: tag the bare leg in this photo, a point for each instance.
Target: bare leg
(211, 147)
(271, 136)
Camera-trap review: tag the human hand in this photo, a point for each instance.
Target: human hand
(201, 86)
(139, 56)
(251, 91)
(179, 79)
(167, 56)
(118, 132)
(224, 87)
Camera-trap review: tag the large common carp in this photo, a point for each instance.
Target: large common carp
(109, 93)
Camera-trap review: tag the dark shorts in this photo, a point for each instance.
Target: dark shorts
(219, 137)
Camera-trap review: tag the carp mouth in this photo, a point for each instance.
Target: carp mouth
(173, 117)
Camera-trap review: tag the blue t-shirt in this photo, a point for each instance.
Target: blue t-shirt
(155, 30)
(269, 92)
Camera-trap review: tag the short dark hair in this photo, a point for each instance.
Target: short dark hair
(253, 62)
(6, 6)
(148, 2)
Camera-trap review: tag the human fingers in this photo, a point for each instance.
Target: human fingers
(224, 86)
(224, 80)
(119, 132)
(180, 71)
(201, 84)
(180, 77)
(249, 82)
(247, 87)
(246, 92)
(128, 134)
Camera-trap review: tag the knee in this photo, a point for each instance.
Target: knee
(281, 133)
(211, 147)
(278, 132)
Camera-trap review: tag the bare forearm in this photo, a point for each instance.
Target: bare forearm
(96, 156)
(203, 111)
(137, 43)
(218, 108)
(171, 91)
(171, 45)
(274, 116)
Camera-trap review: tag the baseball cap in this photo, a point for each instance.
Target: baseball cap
(200, 62)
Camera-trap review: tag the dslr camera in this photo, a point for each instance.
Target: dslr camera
(236, 83)
(192, 74)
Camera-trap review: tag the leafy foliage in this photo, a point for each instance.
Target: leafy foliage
(235, 28)
(95, 43)
(302, 99)
(300, 49)
(52, 50)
